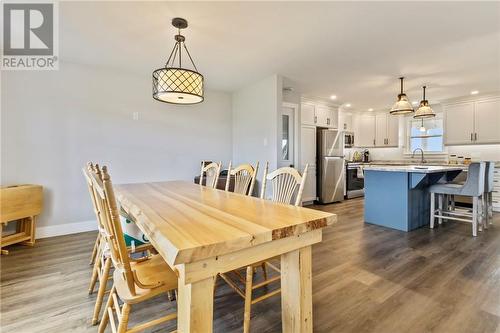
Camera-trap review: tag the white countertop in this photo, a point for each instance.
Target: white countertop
(414, 168)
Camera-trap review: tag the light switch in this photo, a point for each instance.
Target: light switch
(265, 142)
(135, 115)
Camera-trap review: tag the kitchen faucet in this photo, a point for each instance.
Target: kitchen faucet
(422, 160)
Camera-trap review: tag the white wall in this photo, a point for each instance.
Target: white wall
(255, 118)
(53, 122)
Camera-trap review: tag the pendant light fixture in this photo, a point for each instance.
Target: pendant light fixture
(424, 110)
(402, 106)
(422, 127)
(174, 83)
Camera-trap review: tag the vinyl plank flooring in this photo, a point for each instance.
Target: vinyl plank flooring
(366, 278)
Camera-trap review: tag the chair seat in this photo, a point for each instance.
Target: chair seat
(153, 271)
(450, 188)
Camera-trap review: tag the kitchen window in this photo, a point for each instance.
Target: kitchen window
(426, 134)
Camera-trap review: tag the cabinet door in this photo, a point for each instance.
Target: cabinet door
(347, 122)
(380, 130)
(364, 129)
(334, 122)
(487, 121)
(392, 130)
(308, 145)
(307, 114)
(459, 123)
(309, 193)
(323, 116)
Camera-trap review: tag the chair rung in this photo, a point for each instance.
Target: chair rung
(151, 323)
(112, 320)
(266, 282)
(453, 218)
(273, 267)
(232, 284)
(266, 296)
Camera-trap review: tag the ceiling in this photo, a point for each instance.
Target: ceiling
(355, 50)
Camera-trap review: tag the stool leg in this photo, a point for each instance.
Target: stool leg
(440, 208)
(490, 206)
(475, 203)
(452, 202)
(433, 202)
(485, 211)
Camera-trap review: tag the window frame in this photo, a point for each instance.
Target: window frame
(408, 136)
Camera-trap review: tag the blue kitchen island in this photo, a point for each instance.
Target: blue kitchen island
(398, 196)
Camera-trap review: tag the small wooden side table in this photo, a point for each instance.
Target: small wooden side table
(21, 203)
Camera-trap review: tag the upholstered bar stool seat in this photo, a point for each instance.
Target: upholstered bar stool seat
(473, 187)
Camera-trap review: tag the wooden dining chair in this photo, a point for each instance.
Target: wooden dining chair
(211, 172)
(287, 185)
(244, 178)
(134, 280)
(101, 272)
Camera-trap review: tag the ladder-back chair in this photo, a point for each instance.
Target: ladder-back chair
(134, 280)
(244, 178)
(211, 172)
(287, 184)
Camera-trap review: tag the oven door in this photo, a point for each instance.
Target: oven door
(355, 186)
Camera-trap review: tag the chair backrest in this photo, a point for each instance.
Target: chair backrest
(474, 185)
(286, 182)
(211, 172)
(87, 173)
(244, 178)
(106, 205)
(488, 176)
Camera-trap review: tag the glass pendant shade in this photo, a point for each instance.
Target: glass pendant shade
(424, 110)
(174, 83)
(402, 106)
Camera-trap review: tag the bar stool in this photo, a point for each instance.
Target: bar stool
(473, 187)
(488, 193)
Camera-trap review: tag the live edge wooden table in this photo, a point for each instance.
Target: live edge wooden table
(201, 232)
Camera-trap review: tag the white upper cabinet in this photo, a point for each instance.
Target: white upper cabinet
(324, 116)
(345, 122)
(319, 115)
(380, 130)
(459, 123)
(307, 114)
(487, 121)
(364, 130)
(475, 122)
(392, 130)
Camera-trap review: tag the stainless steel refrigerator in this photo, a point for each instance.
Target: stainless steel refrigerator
(331, 165)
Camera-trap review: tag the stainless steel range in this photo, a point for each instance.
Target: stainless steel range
(355, 182)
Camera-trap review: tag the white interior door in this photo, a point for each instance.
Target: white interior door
(287, 137)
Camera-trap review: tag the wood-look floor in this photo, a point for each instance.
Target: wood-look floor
(365, 279)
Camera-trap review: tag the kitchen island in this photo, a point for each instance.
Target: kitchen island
(397, 196)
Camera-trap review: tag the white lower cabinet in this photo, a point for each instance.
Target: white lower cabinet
(309, 193)
(308, 156)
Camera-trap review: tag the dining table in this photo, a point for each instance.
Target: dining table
(201, 232)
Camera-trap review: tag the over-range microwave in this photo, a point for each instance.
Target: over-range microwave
(348, 139)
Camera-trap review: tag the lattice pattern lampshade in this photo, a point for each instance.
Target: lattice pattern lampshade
(178, 86)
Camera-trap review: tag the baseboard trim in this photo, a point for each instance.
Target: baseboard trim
(65, 229)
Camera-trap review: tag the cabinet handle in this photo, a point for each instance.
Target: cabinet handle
(475, 136)
(374, 142)
(471, 137)
(328, 121)
(316, 120)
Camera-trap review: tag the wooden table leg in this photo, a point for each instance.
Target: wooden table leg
(296, 291)
(195, 306)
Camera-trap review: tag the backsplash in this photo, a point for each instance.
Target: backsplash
(476, 152)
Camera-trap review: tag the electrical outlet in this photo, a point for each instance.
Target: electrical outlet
(265, 142)
(135, 115)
